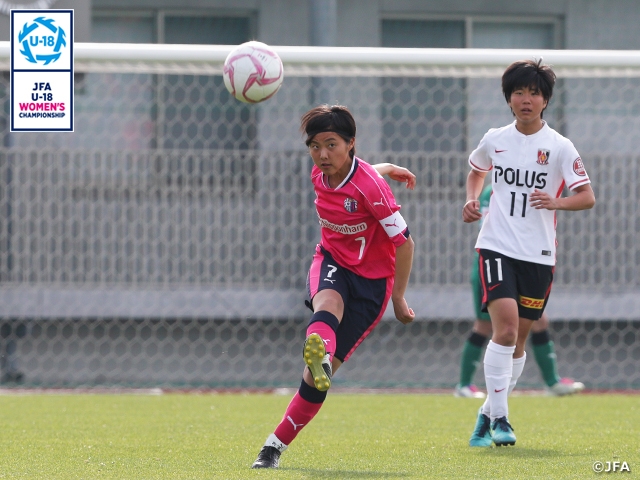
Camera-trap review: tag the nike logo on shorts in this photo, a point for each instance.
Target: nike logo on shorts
(494, 286)
(498, 391)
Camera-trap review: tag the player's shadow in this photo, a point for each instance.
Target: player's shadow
(315, 473)
(519, 452)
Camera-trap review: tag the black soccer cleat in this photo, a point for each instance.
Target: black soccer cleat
(269, 457)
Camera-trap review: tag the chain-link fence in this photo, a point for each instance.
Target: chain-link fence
(167, 241)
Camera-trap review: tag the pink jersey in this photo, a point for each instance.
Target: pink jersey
(361, 225)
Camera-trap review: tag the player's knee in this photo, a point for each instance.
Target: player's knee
(506, 336)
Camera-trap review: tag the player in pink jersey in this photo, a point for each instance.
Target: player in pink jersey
(530, 164)
(363, 259)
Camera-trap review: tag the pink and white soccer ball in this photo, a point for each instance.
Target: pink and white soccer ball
(253, 72)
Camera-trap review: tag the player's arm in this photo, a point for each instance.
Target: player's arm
(582, 199)
(399, 174)
(475, 183)
(404, 260)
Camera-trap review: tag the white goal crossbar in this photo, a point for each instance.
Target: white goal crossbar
(337, 61)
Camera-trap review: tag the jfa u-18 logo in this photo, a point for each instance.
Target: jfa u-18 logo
(42, 70)
(42, 41)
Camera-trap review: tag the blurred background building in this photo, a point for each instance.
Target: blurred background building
(166, 241)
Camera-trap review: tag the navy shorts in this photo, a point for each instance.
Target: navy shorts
(365, 299)
(528, 283)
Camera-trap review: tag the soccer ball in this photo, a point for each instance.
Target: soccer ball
(253, 72)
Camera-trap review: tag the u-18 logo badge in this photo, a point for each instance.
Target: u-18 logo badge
(42, 83)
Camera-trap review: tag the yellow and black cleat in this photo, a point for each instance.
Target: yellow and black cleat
(317, 359)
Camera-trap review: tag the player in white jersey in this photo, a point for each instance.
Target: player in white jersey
(530, 164)
(541, 343)
(363, 260)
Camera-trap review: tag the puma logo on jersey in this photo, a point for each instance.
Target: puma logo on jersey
(380, 203)
(295, 425)
(391, 224)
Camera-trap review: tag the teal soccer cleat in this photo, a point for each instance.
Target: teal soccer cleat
(502, 432)
(481, 436)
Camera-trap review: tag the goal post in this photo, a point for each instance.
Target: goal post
(166, 241)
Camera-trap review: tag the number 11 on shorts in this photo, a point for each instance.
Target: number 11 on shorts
(487, 262)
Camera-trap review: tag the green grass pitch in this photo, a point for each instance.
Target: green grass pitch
(360, 436)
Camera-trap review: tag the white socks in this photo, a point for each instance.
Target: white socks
(273, 441)
(498, 370)
(518, 366)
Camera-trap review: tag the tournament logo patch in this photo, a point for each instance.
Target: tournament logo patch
(350, 205)
(543, 156)
(578, 167)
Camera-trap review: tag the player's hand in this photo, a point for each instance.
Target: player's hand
(403, 313)
(471, 211)
(403, 175)
(542, 200)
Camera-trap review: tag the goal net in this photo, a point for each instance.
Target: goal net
(166, 241)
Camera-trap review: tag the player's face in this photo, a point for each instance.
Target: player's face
(330, 153)
(527, 104)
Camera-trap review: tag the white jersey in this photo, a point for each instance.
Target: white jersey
(520, 164)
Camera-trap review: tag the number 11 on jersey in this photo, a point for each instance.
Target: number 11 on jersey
(513, 203)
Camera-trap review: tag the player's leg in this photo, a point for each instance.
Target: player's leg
(498, 362)
(546, 358)
(470, 358)
(544, 352)
(328, 287)
(498, 359)
(501, 429)
(520, 355)
(472, 348)
(498, 298)
(318, 351)
(362, 309)
(320, 343)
